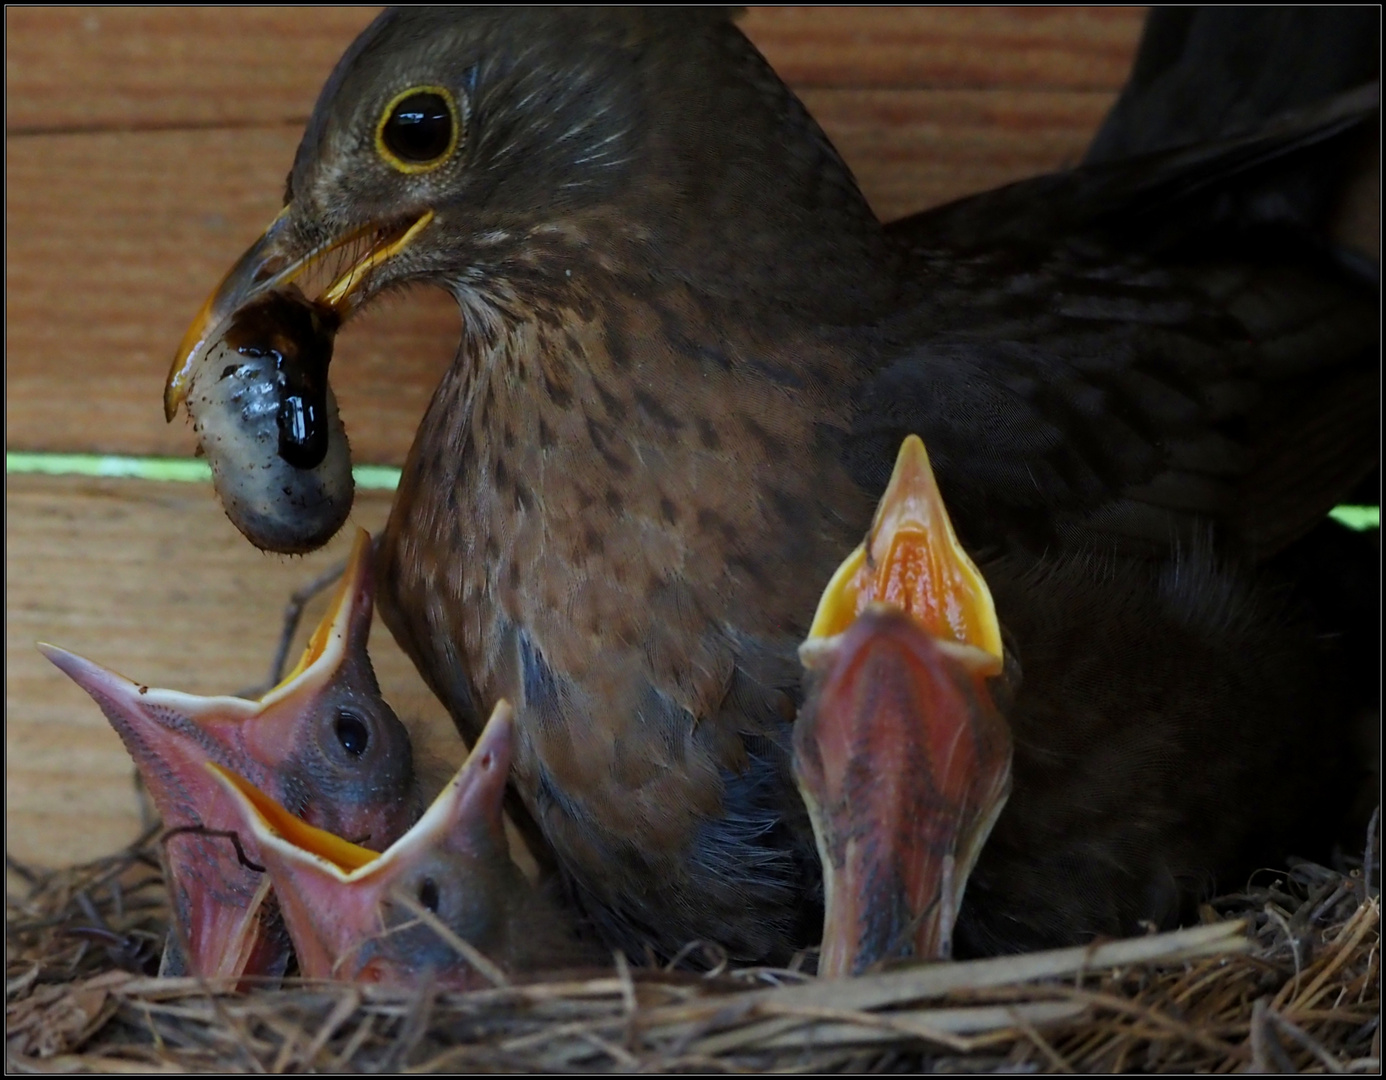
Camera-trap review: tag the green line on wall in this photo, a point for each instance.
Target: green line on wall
(368, 477)
(195, 470)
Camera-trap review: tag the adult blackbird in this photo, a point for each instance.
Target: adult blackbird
(322, 741)
(690, 351)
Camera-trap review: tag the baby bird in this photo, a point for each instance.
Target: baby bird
(1141, 735)
(445, 899)
(900, 751)
(323, 741)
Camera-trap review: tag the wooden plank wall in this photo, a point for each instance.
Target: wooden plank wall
(147, 147)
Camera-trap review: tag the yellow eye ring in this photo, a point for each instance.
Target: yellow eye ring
(419, 145)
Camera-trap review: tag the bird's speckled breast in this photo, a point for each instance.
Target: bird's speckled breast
(594, 524)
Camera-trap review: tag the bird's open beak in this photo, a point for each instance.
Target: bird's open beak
(340, 635)
(911, 559)
(223, 925)
(290, 715)
(332, 892)
(219, 901)
(900, 753)
(273, 262)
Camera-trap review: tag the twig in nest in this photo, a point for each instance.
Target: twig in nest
(415, 1025)
(716, 955)
(134, 952)
(346, 1005)
(628, 998)
(465, 949)
(1362, 922)
(222, 834)
(1302, 1037)
(1294, 943)
(364, 1030)
(1032, 1033)
(1267, 1055)
(14, 866)
(1367, 855)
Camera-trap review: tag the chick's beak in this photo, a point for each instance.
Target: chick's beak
(294, 714)
(223, 925)
(333, 893)
(340, 636)
(217, 889)
(276, 260)
(911, 559)
(900, 753)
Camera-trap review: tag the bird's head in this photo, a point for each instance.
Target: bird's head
(323, 740)
(499, 152)
(444, 889)
(344, 759)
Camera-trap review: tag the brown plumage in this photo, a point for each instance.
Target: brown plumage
(689, 353)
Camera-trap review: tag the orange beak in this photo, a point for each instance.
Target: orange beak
(900, 753)
(274, 262)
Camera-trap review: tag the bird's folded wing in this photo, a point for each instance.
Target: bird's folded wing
(1121, 400)
(1203, 72)
(1165, 196)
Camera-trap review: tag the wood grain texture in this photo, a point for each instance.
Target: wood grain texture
(151, 580)
(949, 48)
(94, 68)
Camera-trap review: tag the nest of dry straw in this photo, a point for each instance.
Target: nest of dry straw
(1284, 976)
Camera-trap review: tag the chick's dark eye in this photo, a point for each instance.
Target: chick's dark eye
(428, 895)
(352, 733)
(418, 129)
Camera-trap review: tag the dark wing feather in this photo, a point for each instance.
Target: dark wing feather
(1077, 389)
(1204, 72)
(1169, 196)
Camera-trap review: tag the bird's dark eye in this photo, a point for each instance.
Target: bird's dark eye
(418, 130)
(428, 895)
(352, 733)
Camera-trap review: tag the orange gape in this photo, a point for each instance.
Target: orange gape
(911, 560)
